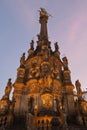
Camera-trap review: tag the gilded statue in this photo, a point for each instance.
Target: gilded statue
(43, 12)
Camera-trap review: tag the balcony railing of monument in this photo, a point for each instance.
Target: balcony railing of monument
(42, 123)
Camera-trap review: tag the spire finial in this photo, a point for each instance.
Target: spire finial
(43, 13)
(43, 21)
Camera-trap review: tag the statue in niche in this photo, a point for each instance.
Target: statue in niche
(55, 73)
(34, 86)
(45, 82)
(7, 89)
(55, 104)
(48, 81)
(31, 104)
(45, 68)
(65, 63)
(22, 60)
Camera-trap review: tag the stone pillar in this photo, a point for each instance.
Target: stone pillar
(68, 89)
(69, 100)
(19, 96)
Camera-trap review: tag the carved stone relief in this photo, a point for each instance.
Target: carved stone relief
(3, 107)
(47, 101)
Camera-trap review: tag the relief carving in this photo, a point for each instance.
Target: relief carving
(56, 71)
(45, 68)
(46, 82)
(33, 86)
(34, 71)
(20, 73)
(3, 107)
(47, 101)
(84, 107)
(55, 74)
(56, 87)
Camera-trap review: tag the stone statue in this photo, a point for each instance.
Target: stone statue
(55, 104)
(43, 12)
(65, 63)
(55, 73)
(38, 36)
(78, 88)
(31, 49)
(32, 45)
(7, 89)
(22, 60)
(56, 46)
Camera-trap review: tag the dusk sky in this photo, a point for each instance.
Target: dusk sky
(19, 24)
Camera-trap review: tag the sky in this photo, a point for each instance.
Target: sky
(19, 24)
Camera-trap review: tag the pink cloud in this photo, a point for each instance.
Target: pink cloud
(76, 26)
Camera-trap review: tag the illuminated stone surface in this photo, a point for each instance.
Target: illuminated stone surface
(43, 96)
